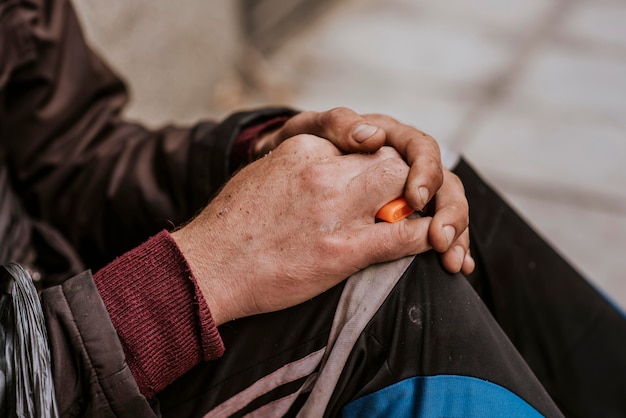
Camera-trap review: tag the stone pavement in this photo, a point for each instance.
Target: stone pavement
(533, 93)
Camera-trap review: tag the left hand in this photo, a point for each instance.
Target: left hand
(427, 178)
(293, 224)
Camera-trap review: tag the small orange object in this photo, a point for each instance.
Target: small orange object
(394, 211)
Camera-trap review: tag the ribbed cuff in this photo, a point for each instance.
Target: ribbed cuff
(159, 313)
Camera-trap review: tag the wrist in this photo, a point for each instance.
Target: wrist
(199, 259)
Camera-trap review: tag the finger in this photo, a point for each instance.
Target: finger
(385, 242)
(346, 129)
(468, 264)
(451, 216)
(455, 258)
(421, 153)
(380, 178)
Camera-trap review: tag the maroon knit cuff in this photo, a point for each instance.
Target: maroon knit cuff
(159, 313)
(243, 147)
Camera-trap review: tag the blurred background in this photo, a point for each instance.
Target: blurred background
(533, 93)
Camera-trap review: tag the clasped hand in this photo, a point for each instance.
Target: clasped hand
(301, 219)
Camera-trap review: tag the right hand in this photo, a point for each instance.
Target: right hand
(427, 181)
(295, 223)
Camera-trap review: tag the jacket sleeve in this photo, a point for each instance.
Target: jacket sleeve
(91, 376)
(107, 184)
(115, 339)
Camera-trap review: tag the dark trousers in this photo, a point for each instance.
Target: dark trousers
(524, 334)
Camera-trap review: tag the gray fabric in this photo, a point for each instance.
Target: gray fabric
(90, 373)
(280, 407)
(362, 296)
(288, 373)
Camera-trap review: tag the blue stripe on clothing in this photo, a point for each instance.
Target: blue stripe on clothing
(441, 396)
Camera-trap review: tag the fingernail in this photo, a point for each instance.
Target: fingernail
(363, 132)
(423, 191)
(450, 233)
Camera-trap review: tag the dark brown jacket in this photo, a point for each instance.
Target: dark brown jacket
(80, 185)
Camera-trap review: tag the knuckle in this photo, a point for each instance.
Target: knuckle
(295, 143)
(403, 233)
(426, 144)
(461, 218)
(339, 251)
(430, 140)
(460, 212)
(394, 168)
(306, 144)
(333, 117)
(433, 164)
(401, 241)
(432, 171)
(316, 177)
(321, 180)
(331, 244)
(390, 173)
(383, 118)
(455, 179)
(387, 152)
(302, 118)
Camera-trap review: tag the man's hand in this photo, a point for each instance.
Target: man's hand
(295, 223)
(427, 178)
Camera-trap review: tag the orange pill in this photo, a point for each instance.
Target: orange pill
(394, 211)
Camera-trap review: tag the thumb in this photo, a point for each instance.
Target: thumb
(384, 241)
(346, 129)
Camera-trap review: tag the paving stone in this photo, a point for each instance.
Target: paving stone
(507, 17)
(436, 116)
(575, 80)
(583, 154)
(385, 57)
(401, 50)
(599, 22)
